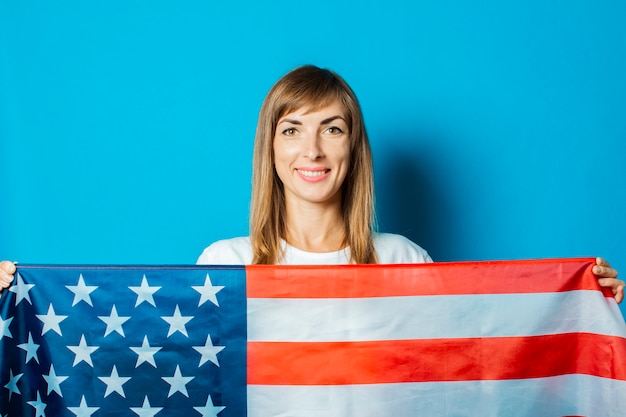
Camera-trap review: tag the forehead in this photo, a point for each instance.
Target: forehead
(333, 108)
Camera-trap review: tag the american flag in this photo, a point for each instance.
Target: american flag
(509, 338)
(117, 341)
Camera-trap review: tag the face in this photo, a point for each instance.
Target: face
(312, 154)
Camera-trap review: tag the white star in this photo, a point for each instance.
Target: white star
(209, 410)
(83, 410)
(30, 348)
(4, 327)
(208, 352)
(114, 322)
(177, 383)
(146, 410)
(177, 322)
(39, 406)
(54, 381)
(208, 291)
(83, 352)
(21, 290)
(51, 321)
(81, 291)
(114, 383)
(145, 292)
(12, 385)
(145, 353)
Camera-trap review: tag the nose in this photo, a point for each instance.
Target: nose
(313, 148)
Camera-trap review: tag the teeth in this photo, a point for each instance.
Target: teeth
(312, 173)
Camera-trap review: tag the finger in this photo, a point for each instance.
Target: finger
(612, 283)
(619, 297)
(8, 267)
(604, 271)
(602, 262)
(617, 288)
(5, 280)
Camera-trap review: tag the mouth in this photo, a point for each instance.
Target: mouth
(313, 173)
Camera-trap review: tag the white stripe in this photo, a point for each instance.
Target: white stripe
(402, 318)
(555, 396)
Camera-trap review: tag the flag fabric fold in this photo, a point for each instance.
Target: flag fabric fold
(506, 338)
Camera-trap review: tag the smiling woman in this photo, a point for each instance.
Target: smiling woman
(311, 158)
(312, 186)
(312, 155)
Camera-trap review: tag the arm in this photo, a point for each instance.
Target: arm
(607, 277)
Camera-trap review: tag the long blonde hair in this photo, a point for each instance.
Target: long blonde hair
(314, 88)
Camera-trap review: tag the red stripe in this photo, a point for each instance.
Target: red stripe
(340, 363)
(344, 281)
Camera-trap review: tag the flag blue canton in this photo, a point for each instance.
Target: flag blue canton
(82, 341)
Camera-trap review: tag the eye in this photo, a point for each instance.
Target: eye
(290, 131)
(334, 130)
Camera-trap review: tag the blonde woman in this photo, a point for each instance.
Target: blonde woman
(312, 187)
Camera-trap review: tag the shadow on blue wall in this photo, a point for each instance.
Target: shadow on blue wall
(409, 203)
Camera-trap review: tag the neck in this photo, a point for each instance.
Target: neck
(315, 229)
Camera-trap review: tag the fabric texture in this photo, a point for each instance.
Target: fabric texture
(506, 338)
(390, 249)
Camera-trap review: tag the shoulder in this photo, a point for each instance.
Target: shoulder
(235, 251)
(397, 249)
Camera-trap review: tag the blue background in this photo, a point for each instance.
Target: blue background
(126, 127)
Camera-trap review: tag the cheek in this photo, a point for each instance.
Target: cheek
(281, 162)
(278, 157)
(344, 166)
(276, 154)
(347, 162)
(286, 153)
(346, 155)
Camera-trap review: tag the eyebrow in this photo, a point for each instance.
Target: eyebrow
(324, 122)
(331, 119)
(291, 121)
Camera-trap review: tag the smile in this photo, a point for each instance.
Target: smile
(313, 175)
(316, 173)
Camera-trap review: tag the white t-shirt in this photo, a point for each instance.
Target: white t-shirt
(390, 249)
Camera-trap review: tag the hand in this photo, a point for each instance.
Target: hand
(607, 277)
(7, 269)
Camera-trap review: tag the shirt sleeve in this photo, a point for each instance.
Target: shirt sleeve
(397, 249)
(236, 251)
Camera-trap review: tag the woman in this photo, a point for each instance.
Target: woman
(313, 188)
